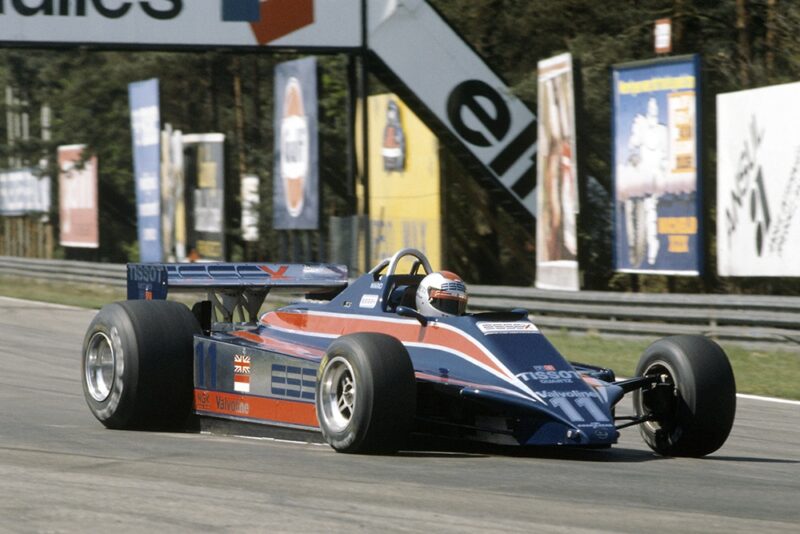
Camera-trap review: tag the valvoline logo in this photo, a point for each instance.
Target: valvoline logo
(270, 19)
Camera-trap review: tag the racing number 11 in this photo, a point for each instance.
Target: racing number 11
(573, 414)
(200, 364)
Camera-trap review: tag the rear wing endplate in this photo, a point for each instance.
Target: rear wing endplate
(231, 287)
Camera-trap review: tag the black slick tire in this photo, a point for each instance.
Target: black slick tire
(694, 404)
(137, 365)
(366, 394)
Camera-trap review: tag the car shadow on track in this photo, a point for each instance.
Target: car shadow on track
(422, 446)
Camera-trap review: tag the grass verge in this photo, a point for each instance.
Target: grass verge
(759, 371)
(73, 294)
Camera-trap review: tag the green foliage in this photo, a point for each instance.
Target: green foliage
(87, 91)
(88, 94)
(514, 35)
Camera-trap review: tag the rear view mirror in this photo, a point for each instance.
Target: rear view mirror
(405, 311)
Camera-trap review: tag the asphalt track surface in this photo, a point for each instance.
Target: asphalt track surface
(61, 471)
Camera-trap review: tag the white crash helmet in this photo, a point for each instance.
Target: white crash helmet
(441, 294)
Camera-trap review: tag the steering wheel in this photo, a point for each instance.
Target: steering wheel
(395, 260)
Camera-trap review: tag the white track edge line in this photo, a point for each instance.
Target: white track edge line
(768, 399)
(45, 304)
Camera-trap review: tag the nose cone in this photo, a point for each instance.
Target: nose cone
(560, 433)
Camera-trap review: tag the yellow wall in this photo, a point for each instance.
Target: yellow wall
(404, 205)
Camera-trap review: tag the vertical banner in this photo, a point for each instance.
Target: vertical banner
(657, 201)
(404, 182)
(146, 129)
(295, 194)
(173, 210)
(557, 177)
(204, 160)
(250, 204)
(758, 182)
(77, 198)
(179, 191)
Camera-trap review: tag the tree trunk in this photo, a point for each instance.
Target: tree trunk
(678, 22)
(772, 7)
(239, 110)
(744, 42)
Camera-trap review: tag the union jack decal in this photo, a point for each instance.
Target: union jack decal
(241, 364)
(241, 373)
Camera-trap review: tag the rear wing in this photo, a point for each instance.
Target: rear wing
(232, 287)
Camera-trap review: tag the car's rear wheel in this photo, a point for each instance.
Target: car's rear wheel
(693, 404)
(366, 394)
(137, 364)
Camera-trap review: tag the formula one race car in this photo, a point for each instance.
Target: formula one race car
(361, 363)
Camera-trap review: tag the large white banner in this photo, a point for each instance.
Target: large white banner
(278, 23)
(758, 182)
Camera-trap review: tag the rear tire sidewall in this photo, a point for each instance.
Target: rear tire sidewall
(116, 410)
(704, 402)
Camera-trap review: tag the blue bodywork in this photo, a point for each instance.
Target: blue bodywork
(485, 376)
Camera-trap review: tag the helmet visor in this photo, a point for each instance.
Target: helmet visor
(449, 304)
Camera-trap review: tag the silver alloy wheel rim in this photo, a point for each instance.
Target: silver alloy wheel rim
(338, 394)
(662, 368)
(100, 366)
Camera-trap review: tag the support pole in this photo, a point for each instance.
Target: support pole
(364, 94)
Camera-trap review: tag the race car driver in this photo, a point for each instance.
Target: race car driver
(441, 294)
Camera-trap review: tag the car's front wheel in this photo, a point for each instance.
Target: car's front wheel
(366, 394)
(692, 406)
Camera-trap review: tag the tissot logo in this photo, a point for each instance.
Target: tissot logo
(110, 9)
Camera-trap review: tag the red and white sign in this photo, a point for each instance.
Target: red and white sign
(241, 373)
(77, 194)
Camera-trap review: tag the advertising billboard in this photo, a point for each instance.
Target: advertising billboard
(159, 23)
(204, 160)
(146, 138)
(404, 182)
(557, 177)
(463, 99)
(295, 190)
(656, 136)
(173, 196)
(758, 182)
(22, 192)
(77, 198)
